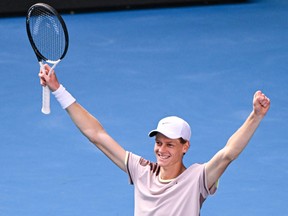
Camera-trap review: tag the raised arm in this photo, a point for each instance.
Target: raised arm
(88, 124)
(238, 141)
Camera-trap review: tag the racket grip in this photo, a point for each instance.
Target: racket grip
(45, 100)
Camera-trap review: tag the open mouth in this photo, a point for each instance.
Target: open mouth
(163, 157)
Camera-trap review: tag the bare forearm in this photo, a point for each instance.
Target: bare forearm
(240, 139)
(87, 124)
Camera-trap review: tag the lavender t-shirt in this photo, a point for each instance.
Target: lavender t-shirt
(182, 196)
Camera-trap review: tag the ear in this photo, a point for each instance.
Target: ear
(186, 147)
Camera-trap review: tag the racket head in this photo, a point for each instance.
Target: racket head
(47, 33)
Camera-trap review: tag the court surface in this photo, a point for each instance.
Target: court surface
(131, 68)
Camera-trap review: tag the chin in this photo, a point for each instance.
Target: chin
(162, 162)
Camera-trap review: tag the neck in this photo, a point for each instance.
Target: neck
(169, 174)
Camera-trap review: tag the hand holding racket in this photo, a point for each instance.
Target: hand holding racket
(48, 80)
(49, 39)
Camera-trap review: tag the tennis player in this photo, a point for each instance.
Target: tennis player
(168, 187)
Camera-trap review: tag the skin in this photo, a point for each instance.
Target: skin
(168, 152)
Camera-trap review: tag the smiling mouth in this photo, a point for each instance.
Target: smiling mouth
(163, 157)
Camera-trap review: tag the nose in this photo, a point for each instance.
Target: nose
(162, 148)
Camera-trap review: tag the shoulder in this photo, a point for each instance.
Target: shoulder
(198, 171)
(195, 171)
(134, 160)
(195, 167)
(138, 166)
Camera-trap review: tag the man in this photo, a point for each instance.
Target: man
(167, 187)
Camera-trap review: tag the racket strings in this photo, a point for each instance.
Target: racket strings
(48, 34)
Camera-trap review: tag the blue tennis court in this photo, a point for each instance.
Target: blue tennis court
(130, 69)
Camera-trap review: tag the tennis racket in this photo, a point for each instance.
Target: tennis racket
(49, 39)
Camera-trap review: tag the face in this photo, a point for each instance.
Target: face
(169, 152)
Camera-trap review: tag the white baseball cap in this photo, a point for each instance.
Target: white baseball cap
(173, 127)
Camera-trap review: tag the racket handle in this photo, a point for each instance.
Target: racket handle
(45, 100)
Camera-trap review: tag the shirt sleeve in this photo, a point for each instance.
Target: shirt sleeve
(131, 165)
(213, 189)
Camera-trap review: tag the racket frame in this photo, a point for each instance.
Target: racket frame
(41, 58)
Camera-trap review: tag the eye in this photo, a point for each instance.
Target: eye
(158, 143)
(170, 145)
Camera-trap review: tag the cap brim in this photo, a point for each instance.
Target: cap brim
(169, 135)
(153, 133)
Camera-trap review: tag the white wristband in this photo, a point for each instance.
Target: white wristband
(63, 97)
